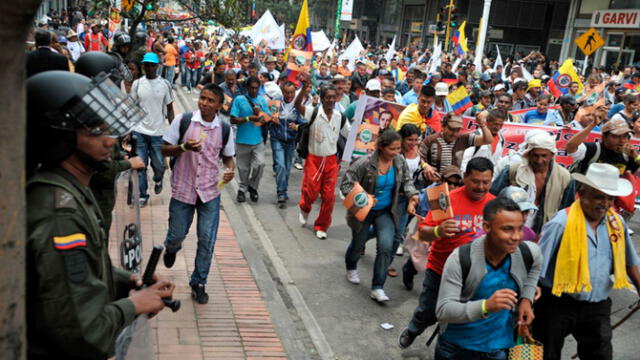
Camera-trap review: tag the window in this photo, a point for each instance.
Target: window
(625, 4)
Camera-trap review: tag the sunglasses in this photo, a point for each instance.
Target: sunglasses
(454, 183)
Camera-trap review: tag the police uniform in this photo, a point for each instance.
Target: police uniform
(76, 300)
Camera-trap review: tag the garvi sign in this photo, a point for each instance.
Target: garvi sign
(627, 19)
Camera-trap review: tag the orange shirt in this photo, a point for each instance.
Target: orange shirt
(170, 55)
(468, 215)
(344, 71)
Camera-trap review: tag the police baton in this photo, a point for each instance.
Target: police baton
(147, 277)
(635, 308)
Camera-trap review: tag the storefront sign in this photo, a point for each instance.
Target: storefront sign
(627, 19)
(346, 12)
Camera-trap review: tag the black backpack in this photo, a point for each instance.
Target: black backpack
(464, 256)
(302, 135)
(185, 121)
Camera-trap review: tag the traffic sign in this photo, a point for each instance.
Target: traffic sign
(589, 42)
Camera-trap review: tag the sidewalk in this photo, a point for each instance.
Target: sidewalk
(235, 324)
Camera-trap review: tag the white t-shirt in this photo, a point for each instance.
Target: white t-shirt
(154, 96)
(324, 133)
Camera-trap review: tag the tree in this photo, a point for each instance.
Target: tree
(16, 17)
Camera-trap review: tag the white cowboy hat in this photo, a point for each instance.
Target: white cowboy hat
(605, 178)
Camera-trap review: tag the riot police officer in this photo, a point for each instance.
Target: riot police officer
(102, 185)
(77, 302)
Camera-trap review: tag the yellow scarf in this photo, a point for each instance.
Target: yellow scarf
(572, 263)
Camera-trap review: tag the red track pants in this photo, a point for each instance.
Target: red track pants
(319, 177)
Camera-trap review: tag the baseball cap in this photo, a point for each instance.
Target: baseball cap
(338, 78)
(373, 85)
(519, 196)
(620, 90)
(454, 121)
(485, 93)
(616, 127)
(499, 87)
(442, 89)
(451, 170)
(269, 59)
(534, 83)
(485, 77)
(567, 99)
(151, 57)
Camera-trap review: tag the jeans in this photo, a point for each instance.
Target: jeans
(183, 74)
(148, 146)
(425, 314)
(448, 351)
(180, 219)
(385, 229)
(192, 75)
(401, 227)
(169, 73)
(250, 164)
(282, 160)
(199, 74)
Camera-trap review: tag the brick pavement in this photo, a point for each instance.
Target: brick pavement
(235, 324)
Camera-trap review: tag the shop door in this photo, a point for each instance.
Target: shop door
(610, 56)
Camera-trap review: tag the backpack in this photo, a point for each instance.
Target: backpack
(302, 136)
(464, 256)
(185, 121)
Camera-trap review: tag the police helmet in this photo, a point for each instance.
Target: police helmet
(59, 102)
(121, 39)
(93, 63)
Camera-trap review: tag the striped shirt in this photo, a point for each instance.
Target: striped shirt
(195, 174)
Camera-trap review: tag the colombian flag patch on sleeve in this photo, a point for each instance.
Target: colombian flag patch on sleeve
(69, 241)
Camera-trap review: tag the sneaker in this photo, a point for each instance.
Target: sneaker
(400, 250)
(302, 218)
(298, 166)
(169, 259)
(198, 294)
(406, 338)
(158, 188)
(253, 194)
(189, 91)
(282, 201)
(379, 296)
(143, 202)
(631, 232)
(240, 198)
(352, 277)
(321, 235)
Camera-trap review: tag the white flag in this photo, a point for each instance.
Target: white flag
(392, 51)
(352, 52)
(320, 41)
(436, 58)
(498, 61)
(267, 29)
(525, 73)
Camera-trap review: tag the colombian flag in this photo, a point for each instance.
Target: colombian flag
(460, 40)
(562, 78)
(301, 39)
(459, 100)
(69, 241)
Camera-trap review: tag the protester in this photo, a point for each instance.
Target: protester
(495, 121)
(95, 40)
(194, 182)
(422, 114)
(321, 165)
(411, 97)
(156, 98)
(548, 184)
(586, 252)
(467, 203)
(75, 47)
(631, 105)
(497, 281)
(385, 175)
(250, 148)
(44, 58)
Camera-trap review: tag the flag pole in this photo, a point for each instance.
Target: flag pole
(482, 35)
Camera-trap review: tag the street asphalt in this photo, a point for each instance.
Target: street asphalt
(332, 318)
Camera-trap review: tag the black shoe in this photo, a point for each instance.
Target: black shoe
(407, 278)
(169, 259)
(406, 338)
(198, 294)
(253, 194)
(282, 201)
(241, 197)
(158, 188)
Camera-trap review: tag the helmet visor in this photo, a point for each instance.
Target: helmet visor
(105, 110)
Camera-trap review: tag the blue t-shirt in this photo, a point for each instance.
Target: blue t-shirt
(534, 117)
(410, 98)
(384, 189)
(247, 133)
(496, 331)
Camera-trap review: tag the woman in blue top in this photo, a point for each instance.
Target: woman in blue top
(542, 115)
(385, 175)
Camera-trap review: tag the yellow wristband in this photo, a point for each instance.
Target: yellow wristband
(246, 119)
(183, 148)
(435, 232)
(484, 308)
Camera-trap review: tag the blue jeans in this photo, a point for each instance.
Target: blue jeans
(402, 222)
(169, 73)
(192, 75)
(183, 74)
(180, 219)
(448, 351)
(282, 160)
(382, 221)
(148, 146)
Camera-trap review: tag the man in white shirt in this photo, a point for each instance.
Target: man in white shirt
(156, 98)
(321, 165)
(74, 46)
